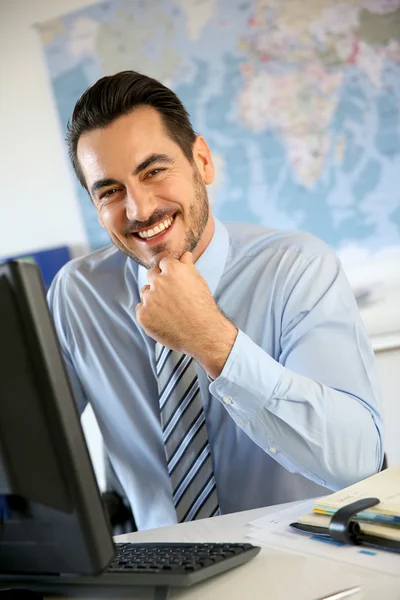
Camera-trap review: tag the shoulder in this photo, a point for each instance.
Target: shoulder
(94, 272)
(252, 240)
(93, 264)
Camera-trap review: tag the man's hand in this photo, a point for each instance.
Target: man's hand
(179, 311)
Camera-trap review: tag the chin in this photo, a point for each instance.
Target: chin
(154, 261)
(152, 258)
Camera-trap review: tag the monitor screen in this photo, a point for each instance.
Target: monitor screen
(51, 514)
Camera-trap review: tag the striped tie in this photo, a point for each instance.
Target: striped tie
(185, 436)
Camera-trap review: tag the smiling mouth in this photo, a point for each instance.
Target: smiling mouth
(157, 230)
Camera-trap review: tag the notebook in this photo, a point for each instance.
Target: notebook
(366, 512)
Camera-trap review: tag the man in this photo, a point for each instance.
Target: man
(227, 365)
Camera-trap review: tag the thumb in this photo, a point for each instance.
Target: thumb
(187, 258)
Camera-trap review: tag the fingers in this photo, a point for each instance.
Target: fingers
(152, 274)
(139, 306)
(187, 258)
(143, 291)
(168, 263)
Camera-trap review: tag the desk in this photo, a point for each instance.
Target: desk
(273, 574)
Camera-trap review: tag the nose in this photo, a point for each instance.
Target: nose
(140, 204)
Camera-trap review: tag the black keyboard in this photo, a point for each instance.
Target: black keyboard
(159, 565)
(177, 564)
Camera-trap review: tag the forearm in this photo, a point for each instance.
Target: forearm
(213, 346)
(327, 435)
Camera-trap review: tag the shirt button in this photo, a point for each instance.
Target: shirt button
(227, 400)
(272, 450)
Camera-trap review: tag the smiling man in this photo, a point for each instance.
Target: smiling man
(226, 363)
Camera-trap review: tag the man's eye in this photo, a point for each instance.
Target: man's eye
(108, 193)
(154, 173)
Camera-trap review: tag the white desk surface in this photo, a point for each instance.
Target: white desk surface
(273, 574)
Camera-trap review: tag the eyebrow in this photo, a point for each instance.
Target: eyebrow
(100, 183)
(142, 166)
(151, 160)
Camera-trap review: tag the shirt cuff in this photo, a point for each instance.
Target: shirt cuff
(248, 379)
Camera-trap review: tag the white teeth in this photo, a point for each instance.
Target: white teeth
(148, 233)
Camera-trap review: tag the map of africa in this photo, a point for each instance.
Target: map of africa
(299, 102)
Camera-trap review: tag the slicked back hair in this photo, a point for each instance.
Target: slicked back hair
(117, 95)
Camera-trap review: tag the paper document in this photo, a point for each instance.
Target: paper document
(274, 530)
(269, 522)
(378, 524)
(384, 485)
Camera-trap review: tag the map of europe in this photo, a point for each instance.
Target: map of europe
(299, 102)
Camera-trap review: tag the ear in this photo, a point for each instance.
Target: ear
(203, 159)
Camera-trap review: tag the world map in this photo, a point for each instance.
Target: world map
(299, 102)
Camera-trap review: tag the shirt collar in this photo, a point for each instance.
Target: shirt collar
(211, 263)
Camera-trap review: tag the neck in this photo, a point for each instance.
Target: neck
(205, 238)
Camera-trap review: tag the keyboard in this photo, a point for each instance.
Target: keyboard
(177, 564)
(159, 565)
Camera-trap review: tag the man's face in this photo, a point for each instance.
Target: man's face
(151, 200)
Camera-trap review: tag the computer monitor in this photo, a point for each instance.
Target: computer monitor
(54, 534)
(51, 514)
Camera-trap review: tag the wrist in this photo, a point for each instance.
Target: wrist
(214, 345)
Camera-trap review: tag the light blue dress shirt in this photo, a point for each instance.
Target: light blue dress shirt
(296, 404)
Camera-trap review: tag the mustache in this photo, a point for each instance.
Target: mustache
(156, 217)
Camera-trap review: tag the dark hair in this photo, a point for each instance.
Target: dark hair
(117, 95)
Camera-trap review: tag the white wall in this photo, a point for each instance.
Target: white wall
(37, 202)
